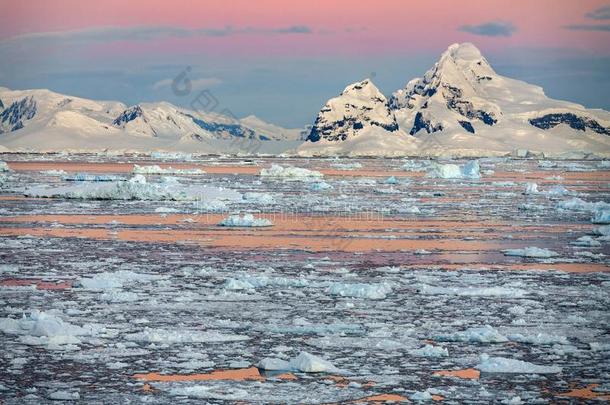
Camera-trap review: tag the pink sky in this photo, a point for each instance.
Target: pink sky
(380, 26)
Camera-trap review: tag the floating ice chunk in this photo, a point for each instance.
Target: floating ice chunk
(235, 284)
(64, 396)
(505, 365)
(360, 290)
(304, 362)
(485, 334)
(531, 188)
(260, 198)
(602, 230)
(538, 339)
(470, 291)
(92, 177)
(45, 328)
(586, 241)
(58, 173)
(116, 279)
(172, 156)
(430, 351)
(415, 165)
(421, 396)
(601, 216)
(557, 190)
(513, 401)
(156, 169)
(391, 180)
(290, 173)
(320, 186)
(577, 204)
(274, 364)
(166, 210)
(470, 170)
(531, 251)
(346, 166)
(4, 167)
(247, 220)
(182, 336)
(135, 188)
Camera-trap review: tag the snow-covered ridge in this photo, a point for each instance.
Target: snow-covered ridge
(42, 120)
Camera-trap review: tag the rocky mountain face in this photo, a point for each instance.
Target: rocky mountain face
(359, 106)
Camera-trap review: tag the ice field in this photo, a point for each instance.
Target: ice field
(280, 280)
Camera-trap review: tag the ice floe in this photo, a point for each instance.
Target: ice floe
(531, 251)
(504, 365)
(150, 335)
(470, 170)
(46, 328)
(248, 220)
(136, 188)
(360, 290)
(156, 169)
(304, 362)
(430, 351)
(485, 334)
(290, 173)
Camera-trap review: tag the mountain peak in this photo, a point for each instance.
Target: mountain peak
(359, 106)
(464, 51)
(363, 89)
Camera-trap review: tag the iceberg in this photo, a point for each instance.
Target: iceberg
(504, 365)
(304, 362)
(136, 188)
(470, 170)
(531, 251)
(485, 334)
(290, 173)
(156, 169)
(247, 220)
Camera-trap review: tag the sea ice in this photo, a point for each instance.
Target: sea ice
(430, 351)
(504, 365)
(64, 395)
(360, 290)
(471, 291)
(531, 188)
(320, 186)
(304, 362)
(182, 336)
(485, 334)
(247, 220)
(531, 251)
(116, 279)
(156, 169)
(470, 170)
(4, 167)
(290, 173)
(136, 188)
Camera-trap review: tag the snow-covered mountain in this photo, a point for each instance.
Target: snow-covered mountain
(360, 118)
(42, 120)
(463, 107)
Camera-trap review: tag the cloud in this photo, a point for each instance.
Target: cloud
(197, 84)
(588, 27)
(602, 13)
(490, 29)
(147, 33)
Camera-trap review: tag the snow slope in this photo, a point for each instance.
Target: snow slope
(41, 120)
(462, 107)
